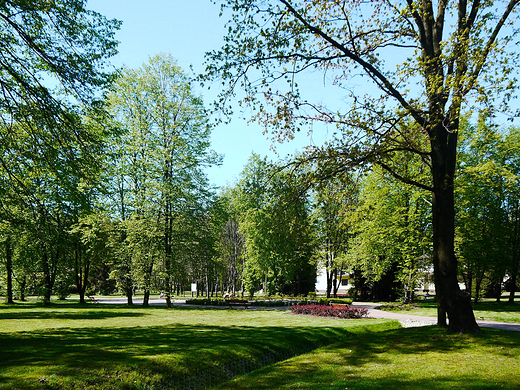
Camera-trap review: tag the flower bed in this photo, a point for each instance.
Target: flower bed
(329, 311)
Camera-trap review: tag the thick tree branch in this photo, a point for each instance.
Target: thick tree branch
(380, 79)
(402, 178)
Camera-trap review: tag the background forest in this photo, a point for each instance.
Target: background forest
(146, 218)
(103, 191)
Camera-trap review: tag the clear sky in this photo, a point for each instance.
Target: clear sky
(187, 29)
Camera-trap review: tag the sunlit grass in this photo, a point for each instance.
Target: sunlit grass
(94, 346)
(413, 358)
(110, 347)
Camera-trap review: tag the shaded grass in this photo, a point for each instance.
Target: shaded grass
(412, 358)
(111, 347)
(116, 347)
(485, 311)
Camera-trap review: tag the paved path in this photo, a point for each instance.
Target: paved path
(409, 320)
(406, 320)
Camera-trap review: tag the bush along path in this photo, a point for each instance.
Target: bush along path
(330, 311)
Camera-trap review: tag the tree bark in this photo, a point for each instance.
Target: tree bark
(146, 298)
(22, 284)
(450, 299)
(513, 288)
(129, 295)
(79, 276)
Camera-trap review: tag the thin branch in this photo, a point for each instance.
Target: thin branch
(381, 80)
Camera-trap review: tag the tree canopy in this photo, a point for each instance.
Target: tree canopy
(53, 69)
(427, 61)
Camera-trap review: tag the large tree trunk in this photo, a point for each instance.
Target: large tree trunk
(146, 297)
(450, 299)
(129, 296)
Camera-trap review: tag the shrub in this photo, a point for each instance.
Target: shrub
(206, 301)
(276, 302)
(329, 311)
(326, 301)
(398, 306)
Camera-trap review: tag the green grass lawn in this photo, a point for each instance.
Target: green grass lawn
(68, 346)
(401, 359)
(486, 311)
(115, 347)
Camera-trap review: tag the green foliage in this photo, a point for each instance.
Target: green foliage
(52, 71)
(159, 189)
(333, 202)
(488, 202)
(392, 226)
(276, 224)
(207, 301)
(418, 63)
(44, 142)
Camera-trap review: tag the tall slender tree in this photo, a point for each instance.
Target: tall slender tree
(159, 181)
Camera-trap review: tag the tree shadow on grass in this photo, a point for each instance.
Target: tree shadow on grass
(502, 306)
(497, 306)
(413, 358)
(71, 311)
(81, 314)
(150, 356)
(153, 354)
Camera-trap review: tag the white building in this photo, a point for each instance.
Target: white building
(343, 281)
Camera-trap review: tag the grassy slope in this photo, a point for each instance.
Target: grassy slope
(98, 346)
(117, 347)
(403, 359)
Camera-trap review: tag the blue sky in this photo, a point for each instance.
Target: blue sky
(187, 29)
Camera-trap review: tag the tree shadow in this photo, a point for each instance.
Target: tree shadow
(161, 354)
(158, 355)
(340, 366)
(497, 306)
(81, 314)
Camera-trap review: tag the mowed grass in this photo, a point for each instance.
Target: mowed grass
(116, 347)
(401, 359)
(485, 311)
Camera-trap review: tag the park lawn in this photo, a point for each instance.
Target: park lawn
(116, 347)
(485, 311)
(401, 359)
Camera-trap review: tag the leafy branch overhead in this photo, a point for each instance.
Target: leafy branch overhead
(53, 70)
(421, 65)
(403, 73)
